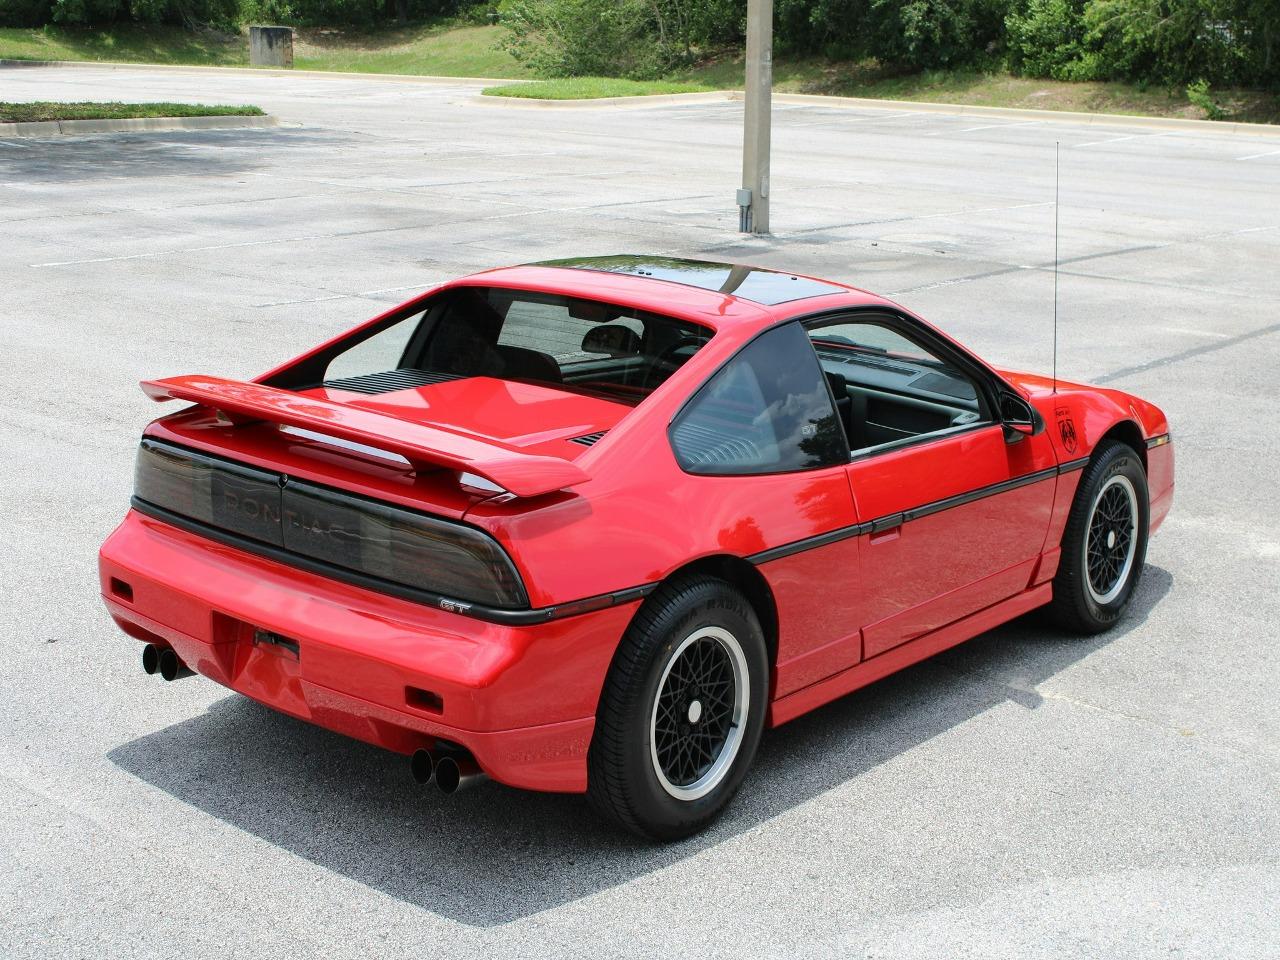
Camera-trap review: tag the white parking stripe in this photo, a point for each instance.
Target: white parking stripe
(1255, 156)
(993, 126)
(344, 296)
(831, 121)
(1133, 136)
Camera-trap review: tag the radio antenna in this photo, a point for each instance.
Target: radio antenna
(1056, 150)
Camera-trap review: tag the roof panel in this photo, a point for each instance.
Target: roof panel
(767, 287)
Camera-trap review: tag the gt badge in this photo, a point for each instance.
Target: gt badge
(1067, 429)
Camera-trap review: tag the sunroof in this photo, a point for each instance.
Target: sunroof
(750, 283)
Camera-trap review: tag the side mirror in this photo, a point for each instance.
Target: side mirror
(1019, 417)
(612, 339)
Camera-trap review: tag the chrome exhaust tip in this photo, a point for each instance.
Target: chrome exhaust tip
(422, 766)
(150, 659)
(171, 668)
(457, 773)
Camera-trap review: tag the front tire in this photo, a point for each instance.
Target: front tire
(1105, 542)
(682, 711)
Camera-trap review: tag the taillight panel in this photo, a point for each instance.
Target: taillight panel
(369, 537)
(399, 545)
(221, 493)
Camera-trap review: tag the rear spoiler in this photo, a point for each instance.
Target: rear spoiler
(522, 474)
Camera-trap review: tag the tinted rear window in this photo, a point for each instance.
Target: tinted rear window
(579, 345)
(767, 410)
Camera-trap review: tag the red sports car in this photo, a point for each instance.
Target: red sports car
(592, 525)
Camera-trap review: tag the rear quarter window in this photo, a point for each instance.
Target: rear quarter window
(767, 410)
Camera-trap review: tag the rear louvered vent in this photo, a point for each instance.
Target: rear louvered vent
(707, 446)
(588, 439)
(390, 381)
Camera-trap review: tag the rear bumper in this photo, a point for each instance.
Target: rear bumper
(384, 670)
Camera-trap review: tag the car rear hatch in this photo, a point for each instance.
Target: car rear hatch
(367, 488)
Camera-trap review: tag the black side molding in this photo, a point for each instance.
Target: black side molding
(914, 513)
(1072, 465)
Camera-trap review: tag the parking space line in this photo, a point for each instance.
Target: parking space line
(923, 216)
(1132, 136)
(1190, 354)
(183, 250)
(989, 126)
(345, 234)
(992, 126)
(343, 296)
(859, 119)
(1255, 156)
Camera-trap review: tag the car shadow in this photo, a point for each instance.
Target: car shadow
(491, 855)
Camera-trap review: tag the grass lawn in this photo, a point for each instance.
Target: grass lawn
(441, 48)
(449, 48)
(593, 88)
(132, 43)
(20, 112)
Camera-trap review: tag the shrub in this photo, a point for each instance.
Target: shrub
(568, 38)
(1198, 95)
(1166, 41)
(87, 11)
(924, 34)
(1045, 38)
(312, 12)
(25, 13)
(188, 13)
(837, 28)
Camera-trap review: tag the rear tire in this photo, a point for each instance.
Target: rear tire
(1104, 544)
(681, 712)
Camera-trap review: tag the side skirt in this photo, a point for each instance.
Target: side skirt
(891, 661)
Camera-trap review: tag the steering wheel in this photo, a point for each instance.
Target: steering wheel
(667, 358)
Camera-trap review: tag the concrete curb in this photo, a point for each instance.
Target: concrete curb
(861, 103)
(655, 100)
(911, 106)
(1019, 113)
(68, 128)
(263, 72)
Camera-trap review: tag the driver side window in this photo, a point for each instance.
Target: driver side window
(890, 389)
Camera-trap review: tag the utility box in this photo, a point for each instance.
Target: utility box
(271, 46)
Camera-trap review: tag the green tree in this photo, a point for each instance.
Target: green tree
(639, 39)
(922, 34)
(1046, 38)
(1168, 41)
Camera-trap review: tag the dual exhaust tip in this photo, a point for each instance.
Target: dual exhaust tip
(450, 771)
(164, 661)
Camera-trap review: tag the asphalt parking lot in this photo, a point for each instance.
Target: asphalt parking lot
(1028, 794)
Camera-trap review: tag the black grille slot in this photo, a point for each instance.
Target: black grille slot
(867, 360)
(390, 381)
(587, 439)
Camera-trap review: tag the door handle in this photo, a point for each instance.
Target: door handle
(886, 528)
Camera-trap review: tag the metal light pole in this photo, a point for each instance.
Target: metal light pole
(753, 198)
